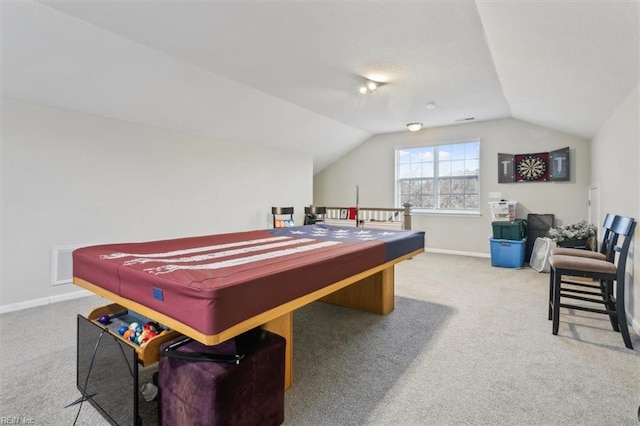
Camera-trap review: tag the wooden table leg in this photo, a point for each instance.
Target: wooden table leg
(373, 294)
(283, 326)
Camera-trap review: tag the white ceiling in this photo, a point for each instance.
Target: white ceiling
(286, 74)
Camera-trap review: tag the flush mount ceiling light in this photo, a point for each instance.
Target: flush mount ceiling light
(414, 127)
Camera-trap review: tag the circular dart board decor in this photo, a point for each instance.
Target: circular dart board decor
(532, 167)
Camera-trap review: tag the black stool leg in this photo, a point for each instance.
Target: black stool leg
(551, 273)
(622, 315)
(606, 287)
(557, 280)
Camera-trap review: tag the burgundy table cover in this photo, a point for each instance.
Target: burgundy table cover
(213, 282)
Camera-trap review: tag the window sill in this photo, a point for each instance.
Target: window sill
(458, 213)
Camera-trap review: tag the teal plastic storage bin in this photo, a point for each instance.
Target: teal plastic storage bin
(515, 230)
(507, 253)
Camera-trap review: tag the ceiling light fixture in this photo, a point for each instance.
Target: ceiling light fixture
(414, 127)
(368, 87)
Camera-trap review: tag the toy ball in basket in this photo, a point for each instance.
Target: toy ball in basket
(138, 334)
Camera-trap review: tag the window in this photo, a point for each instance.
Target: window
(439, 178)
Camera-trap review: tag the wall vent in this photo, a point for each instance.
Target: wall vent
(62, 262)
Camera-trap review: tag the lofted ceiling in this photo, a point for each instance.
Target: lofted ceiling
(286, 74)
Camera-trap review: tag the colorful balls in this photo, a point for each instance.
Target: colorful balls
(138, 334)
(143, 337)
(146, 336)
(104, 319)
(151, 326)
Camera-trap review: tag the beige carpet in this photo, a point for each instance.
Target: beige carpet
(467, 344)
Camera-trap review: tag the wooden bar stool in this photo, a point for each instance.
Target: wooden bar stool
(605, 252)
(605, 272)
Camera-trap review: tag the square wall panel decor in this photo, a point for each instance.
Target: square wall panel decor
(536, 167)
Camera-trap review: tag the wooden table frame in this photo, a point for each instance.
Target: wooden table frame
(371, 291)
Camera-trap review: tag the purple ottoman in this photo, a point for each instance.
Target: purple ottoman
(198, 392)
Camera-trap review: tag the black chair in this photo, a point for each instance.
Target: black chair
(605, 272)
(278, 212)
(314, 215)
(603, 254)
(606, 252)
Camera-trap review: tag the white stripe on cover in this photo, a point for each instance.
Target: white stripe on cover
(219, 254)
(193, 250)
(242, 260)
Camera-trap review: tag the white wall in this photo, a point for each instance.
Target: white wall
(615, 171)
(372, 166)
(77, 179)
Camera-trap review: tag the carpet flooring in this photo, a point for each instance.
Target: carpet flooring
(466, 344)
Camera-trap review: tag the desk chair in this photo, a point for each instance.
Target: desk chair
(604, 271)
(314, 215)
(278, 212)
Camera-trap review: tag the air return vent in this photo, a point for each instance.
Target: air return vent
(62, 262)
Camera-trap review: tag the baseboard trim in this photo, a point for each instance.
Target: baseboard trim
(84, 293)
(44, 301)
(634, 324)
(458, 253)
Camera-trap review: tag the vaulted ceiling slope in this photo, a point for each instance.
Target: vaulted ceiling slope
(286, 74)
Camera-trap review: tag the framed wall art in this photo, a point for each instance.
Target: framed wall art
(505, 168)
(559, 164)
(534, 167)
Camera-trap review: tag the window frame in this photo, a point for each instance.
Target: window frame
(436, 167)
